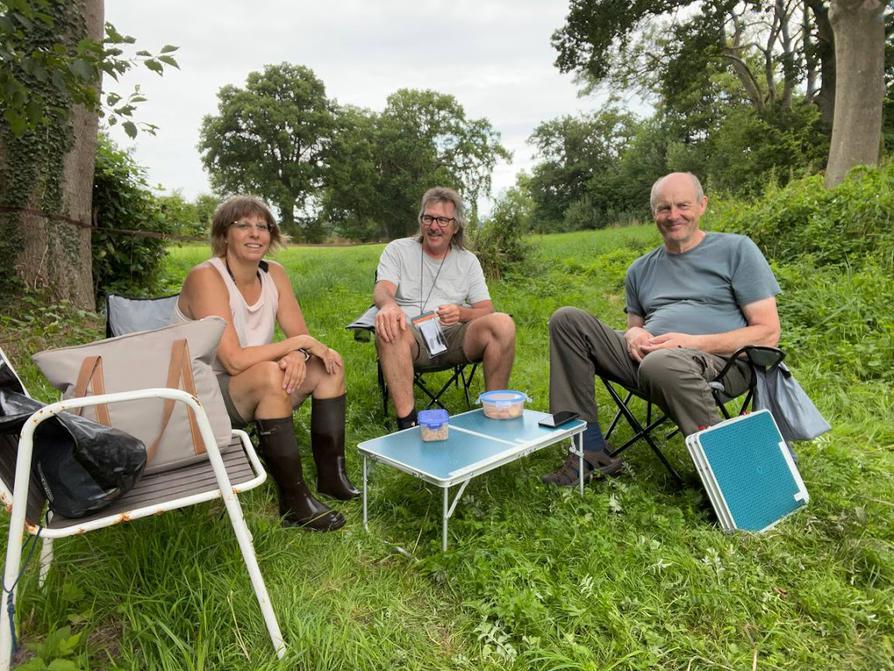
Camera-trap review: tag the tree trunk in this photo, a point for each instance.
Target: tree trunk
(287, 218)
(825, 52)
(860, 90)
(46, 182)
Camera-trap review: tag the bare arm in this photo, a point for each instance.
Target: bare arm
(762, 328)
(291, 321)
(204, 295)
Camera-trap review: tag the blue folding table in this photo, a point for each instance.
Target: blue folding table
(475, 445)
(748, 471)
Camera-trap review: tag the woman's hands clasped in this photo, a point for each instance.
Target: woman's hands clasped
(330, 358)
(294, 366)
(294, 370)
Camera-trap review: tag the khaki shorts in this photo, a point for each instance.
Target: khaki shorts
(454, 335)
(223, 381)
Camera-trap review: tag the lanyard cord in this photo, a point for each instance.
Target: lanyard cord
(422, 277)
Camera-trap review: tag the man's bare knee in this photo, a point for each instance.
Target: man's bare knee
(403, 347)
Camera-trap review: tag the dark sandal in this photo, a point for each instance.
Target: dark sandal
(604, 463)
(598, 462)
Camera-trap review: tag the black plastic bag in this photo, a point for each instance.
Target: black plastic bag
(82, 466)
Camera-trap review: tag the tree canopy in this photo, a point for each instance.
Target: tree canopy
(578, 177)
(381, 163)
(673, 48)
(733, 80)
(40, 78)
(271, 138)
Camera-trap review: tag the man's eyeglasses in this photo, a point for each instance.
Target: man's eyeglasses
(246, 226)
(443, 222)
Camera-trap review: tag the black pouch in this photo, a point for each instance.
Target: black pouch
(82, 466)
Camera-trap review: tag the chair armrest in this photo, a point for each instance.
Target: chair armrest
(365, 325)
(758, 356)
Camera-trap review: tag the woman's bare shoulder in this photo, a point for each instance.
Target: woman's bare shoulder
(201, 274)
(276, 268)
(280, 276)
(203, 288)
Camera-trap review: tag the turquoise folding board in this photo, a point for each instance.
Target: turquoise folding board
(748, 472)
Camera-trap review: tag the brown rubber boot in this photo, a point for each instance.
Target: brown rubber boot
(279, 450)
(327, 438)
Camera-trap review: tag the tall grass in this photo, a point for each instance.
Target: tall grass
(634, 575)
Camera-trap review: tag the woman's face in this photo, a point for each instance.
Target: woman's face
(248, 238)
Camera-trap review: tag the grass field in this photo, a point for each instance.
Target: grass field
(632, 576)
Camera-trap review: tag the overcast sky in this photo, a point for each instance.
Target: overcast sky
(493, 55)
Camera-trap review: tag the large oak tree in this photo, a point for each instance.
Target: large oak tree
(271, 138)
(772, 47)
(382, 163)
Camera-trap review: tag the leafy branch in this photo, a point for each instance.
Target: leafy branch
(33, 51)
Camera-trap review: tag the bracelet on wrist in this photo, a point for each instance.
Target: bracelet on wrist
(304, 352)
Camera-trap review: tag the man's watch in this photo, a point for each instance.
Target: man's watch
(304, 352)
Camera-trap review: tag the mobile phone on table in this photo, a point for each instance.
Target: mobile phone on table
(558, 419)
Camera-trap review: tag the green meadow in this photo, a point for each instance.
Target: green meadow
(634, 575)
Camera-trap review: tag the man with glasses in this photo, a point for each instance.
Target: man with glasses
(434, 306)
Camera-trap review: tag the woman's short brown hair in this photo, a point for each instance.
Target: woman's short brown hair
(232, 210)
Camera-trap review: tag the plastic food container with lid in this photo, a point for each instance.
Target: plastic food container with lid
(433, 424)
(503, 403)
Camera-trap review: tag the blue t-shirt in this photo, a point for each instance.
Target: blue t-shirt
(702, 290)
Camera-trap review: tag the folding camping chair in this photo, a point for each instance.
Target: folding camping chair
(765, 358)
(129, 315)
(225, 474)
(461, 374)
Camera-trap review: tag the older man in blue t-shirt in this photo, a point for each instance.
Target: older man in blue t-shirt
(690, 303)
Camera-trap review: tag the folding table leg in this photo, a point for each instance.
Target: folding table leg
(579, 440)
(577, 449)
(444, 518)
(365, 518)
(448, 509)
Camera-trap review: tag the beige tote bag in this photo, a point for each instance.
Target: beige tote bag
(177, 356)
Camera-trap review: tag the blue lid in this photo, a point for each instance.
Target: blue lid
(502, 397)
(432, 419)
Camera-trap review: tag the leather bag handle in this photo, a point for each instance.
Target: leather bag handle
(179, 377)
(91, 376)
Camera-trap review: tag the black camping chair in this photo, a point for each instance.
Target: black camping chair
(757, 356)
(129, 315)
(462, 375)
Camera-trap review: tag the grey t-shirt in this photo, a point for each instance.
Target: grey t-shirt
(424, 283)
(702, 290)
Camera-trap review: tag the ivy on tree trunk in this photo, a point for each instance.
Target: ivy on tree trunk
(46, 176)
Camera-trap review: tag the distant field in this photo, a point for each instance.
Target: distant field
(632, 576)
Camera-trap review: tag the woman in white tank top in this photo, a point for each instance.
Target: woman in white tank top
(265, 381)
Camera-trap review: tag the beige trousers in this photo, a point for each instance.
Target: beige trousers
(581, 347)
